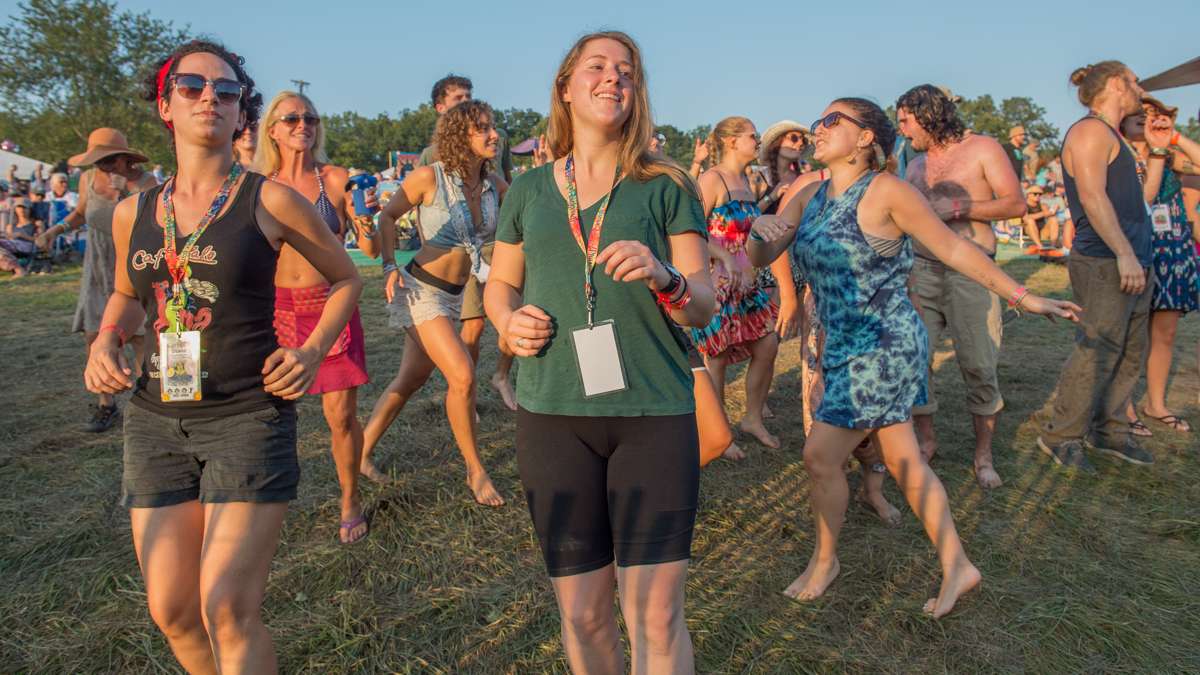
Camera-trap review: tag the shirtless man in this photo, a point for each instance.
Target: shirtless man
(969, 181)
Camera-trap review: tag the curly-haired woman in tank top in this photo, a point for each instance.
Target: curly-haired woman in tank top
(458, 197)
(291, 151)
(210, 437)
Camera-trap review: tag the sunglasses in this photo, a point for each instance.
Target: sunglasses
(191, 87)
(292, 119)
(831, 120)
(794, 138)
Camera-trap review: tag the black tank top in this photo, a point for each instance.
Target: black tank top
(1124, 190)
(232, 282)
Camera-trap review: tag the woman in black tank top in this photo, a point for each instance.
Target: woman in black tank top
(210, 437)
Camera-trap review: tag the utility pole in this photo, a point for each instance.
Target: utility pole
(301, 84)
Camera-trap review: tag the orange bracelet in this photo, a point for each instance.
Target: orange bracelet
(116, 329)
(1175, 138)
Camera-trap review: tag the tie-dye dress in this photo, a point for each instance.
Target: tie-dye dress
(744, 314)
(875, 357)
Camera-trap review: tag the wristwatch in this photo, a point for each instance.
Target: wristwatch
(673, 283)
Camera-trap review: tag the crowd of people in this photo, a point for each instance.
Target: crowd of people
(623, 286)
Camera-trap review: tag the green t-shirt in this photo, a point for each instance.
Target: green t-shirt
(655, 358)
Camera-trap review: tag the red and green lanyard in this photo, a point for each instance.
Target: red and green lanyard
(177, 264)
(592, 248)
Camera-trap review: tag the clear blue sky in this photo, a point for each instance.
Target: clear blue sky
(764, 59)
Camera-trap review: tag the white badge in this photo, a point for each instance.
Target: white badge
(599, 358)
(1160, 218)
(179, 365)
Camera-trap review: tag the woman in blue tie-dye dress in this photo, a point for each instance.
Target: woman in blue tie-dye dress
(849, 235)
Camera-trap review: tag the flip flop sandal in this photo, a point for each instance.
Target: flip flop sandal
(1138, 428)
(348, 526)
(1177, 423)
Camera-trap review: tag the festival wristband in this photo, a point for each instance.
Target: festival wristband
(1175, 138)
(1018, 295)
(389, 267)
(684, 297)
(116, 329)
(757, 237)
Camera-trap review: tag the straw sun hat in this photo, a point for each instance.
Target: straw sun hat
(777, 131)
(105, 142)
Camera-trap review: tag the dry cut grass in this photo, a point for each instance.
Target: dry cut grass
(1082, 573)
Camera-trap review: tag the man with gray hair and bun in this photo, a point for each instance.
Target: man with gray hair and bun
(969, 182)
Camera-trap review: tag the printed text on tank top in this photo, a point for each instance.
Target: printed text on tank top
(324, 206)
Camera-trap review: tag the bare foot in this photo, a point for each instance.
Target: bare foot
(812, 584)
(734, 453)
(766, 412)
(485, 493)
(367, 468)
(928, 448)
(889, 514)
(758, 431)
(986, 474)
(502, 386)
(961, 579)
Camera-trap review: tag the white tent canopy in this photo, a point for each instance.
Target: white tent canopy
(25, 165)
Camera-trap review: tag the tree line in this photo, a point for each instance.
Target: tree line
(69, 66)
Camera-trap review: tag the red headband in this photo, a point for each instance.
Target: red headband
(162, 81)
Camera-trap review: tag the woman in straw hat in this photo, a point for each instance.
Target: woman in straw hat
(114, 175)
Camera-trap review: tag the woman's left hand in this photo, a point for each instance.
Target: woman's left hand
(633, 261)
(371, 199)
(1158, 131)
(1036, 304)
(288, 373)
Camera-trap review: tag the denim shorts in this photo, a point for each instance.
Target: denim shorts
(242, 457)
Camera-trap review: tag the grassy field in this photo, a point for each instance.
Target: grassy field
(1081, 573)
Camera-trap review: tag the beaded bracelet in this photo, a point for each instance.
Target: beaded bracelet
(389, 267)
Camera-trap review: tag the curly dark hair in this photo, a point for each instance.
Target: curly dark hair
(451, 80)
(934, 111)
(252, 100)
(870, 114)
(452, 137)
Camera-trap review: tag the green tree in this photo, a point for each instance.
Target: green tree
(520, 124)
(982, 115)
(1191, 129)
(70, 66)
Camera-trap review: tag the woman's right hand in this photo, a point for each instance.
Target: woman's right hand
(391, 282)
(527, 331)
(107, 371)
(43, 241)
(770, 228)
(729, 265)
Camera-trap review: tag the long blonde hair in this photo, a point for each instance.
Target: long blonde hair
(635, 156)
(266, 154)
(726, 128)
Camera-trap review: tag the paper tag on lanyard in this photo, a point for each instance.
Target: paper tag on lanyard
(1160, 218)
(179, 365)
(598, 357)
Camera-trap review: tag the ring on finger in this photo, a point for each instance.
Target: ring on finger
(521, 343)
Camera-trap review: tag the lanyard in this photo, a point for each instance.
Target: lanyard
(592, 248)
(177, 263)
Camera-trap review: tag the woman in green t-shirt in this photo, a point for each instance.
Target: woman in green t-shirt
(606, 429)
